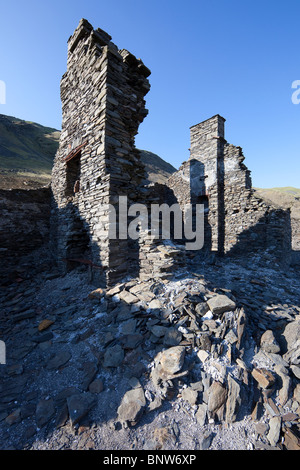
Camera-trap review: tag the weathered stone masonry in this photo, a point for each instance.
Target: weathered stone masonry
(24, 228)
(236, 220)
(102, 96)
(103, 104)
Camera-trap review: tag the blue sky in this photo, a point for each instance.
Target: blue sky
(237, 58)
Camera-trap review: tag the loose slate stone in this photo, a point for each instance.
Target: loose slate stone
(285, 384)
(296, 394)
(155, 304)
(131, 341)
(201, 414)
(113, 356)
(90, 370)
(128, 297)
(292, 334)
(241, 324)
(79, 406)
(268, 342)
(96, 386)
(44, 324)
(201, 309)
(28, 409)
(62, 396)
(132, 406)
(190, 395)
(168, 363)
(172, 337)
(96, 294)
(44, 412)
(202, 355)
(14, 417)
(155, 404)
(62, 416)
(274, 431)
(206, 440)
(296, 371)
(217, 394)
(233, 401)
(291, 441)
(159, 330)
(128, 327)
(264, 377)
(60, 359)
(220, 304)
(172, 359)
(42, 337)
(231, 337)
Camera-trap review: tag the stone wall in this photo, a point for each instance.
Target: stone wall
(103, 104)
(159, 256)
(295, 224)
(236, 221)
(24, 226)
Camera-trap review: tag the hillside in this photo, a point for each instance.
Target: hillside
(27, 150)
(26, 145)
(157, 169)
(285, 197)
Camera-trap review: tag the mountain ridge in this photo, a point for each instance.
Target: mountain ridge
(26, 146)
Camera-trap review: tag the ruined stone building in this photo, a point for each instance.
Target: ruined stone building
(237, 221)
(103, 104)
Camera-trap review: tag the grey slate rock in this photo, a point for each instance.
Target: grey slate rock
(172, 337)
(268, 342)
(206, 440)
(79, 406)
(291, 334)
(60, 359)
(201, 414)
(296, 371)
(233, 400)
(217, 394)
(113, 356)
(274, 431)
(90, 370)
(219, 304)
(201, 309)
(44, 412)
(172, 359)
(42, 337)
(132, 406)
(190, 395)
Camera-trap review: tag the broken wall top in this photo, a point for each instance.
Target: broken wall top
(90, 37)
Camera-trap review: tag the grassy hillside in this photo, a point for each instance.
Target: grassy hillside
(26, 146)
(157, 169)
(286, 197)
(27, 150)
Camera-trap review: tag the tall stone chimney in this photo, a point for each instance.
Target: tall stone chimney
(102, 94)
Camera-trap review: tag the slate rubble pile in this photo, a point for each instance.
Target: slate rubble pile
(150, 362)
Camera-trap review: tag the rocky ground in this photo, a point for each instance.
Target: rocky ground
(209, 359)
(10, 179)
